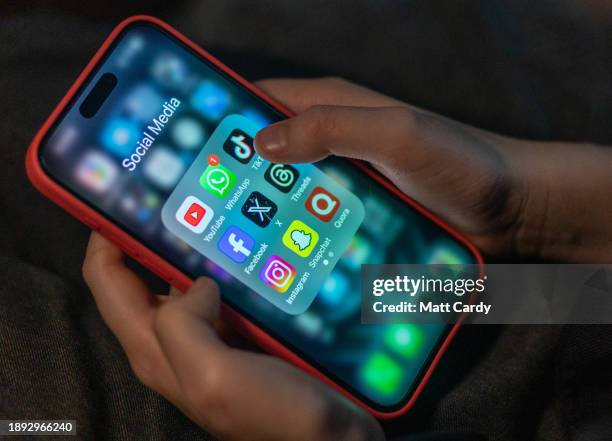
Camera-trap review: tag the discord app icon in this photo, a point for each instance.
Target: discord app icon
(278, 229)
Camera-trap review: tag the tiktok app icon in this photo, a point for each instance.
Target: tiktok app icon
(239, 146)
(282, 176)
(236, 244)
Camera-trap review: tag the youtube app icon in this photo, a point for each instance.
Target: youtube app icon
(194, 214)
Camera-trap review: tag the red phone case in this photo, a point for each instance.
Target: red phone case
(174, 276)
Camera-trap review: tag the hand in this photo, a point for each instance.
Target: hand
(236, 395)
(508, 196)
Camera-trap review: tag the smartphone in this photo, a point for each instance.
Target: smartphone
(153, 147)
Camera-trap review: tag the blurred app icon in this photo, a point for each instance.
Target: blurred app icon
(211, 100)
(357, 253)
(134, 44)
(163, 168)
(404, 339)
(217, 272)
(443, 255)
(218, 180)
(257, 118)
(382, 373)
(175, 242)
(381, 222)
(236, 244)
(239, 146)
(334, 289)
(187, 133)
(169, 70)
(309, 323)
(64, 140)
(140, 204)
(300, 238)
(322, 204)
(143, 103)
(194, 214)
(120, 136)
(259, 209)
(96, 172)
(282, 176)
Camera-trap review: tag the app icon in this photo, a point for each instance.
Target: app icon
(163, 168)
(119, 136)
(443, 255)
(194, 214)
(277, 273)
(259, 209)
(210, 100)
(239, 146)
(188, 133)
(256, 118)
(334, 289)
(357, 253)
(218, 180)
(169, 70)
(140, 204)
(322, 204)
(406, 340)
(382, 374)
(236, 244)
(300, 238)
(96, 171)
(143, 102)
(282, 176)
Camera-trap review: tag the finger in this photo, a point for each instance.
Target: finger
(300, 94)
(372, 134)
(125, 302)
(233, 393)
(128, 308)
(184, 327)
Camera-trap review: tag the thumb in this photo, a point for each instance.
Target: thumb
(457, 171)
(368, 133)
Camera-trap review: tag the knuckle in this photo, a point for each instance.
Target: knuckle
(404, 118)
(321, 123)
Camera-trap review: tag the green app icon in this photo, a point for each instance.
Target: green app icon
(218, 180)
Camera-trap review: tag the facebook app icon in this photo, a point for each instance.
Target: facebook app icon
(236, 244)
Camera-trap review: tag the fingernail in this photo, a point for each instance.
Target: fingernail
(272, 138)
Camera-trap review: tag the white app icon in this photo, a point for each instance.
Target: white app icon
(194, 214)
(163, 168)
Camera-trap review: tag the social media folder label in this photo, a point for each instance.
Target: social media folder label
(279, 229)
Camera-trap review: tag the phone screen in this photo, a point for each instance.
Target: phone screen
(169, 157)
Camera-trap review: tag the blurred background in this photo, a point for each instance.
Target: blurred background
(540, 70)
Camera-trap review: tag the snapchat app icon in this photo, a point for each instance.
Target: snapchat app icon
(300, 238)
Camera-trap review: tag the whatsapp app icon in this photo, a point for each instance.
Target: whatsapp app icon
(218, 180)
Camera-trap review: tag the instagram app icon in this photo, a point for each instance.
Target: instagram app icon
(277, 273)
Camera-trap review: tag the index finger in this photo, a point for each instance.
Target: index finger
(301, 94)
